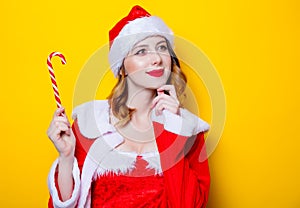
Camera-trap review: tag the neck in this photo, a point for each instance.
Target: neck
(140, 99)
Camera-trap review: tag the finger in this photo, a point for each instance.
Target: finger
(59, 112)
(68, 132)
(162, 105)
(63, 127)
(156, 99)
(172, 109)
(61, 119)
(166, 104)
(159, 92)
(58, 125)
(56, 133)
(170, 89)
(166, 98)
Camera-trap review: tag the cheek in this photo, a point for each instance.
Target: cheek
(132, 65)
(167, 61)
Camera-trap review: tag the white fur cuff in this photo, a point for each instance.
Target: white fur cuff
(185, 124)
(70, 203)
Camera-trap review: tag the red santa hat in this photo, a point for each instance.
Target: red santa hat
(136, 26)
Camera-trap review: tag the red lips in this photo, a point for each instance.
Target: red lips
(156, 73)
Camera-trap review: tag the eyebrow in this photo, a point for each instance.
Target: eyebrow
(145, 45)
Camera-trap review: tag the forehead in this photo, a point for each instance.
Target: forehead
(151, 40)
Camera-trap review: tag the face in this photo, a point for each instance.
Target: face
(148, 64)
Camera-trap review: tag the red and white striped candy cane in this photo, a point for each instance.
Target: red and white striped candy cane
(52, 76)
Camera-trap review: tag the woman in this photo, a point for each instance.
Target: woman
(139, 148)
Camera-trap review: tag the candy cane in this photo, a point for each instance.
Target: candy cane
(52, 76)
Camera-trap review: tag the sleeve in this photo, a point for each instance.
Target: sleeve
(54, 191)
(186, 178)
(198, 180)
(82, 146)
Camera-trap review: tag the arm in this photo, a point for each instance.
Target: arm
(179, 137)
(56, 199)
(198, 168)
(97, 149)
(61, 135)
(186, 178)
(65, 177)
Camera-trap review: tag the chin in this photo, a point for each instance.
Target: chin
(149, 82)
(157, 85)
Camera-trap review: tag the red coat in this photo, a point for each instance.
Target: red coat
(185, 174)
(187, 180)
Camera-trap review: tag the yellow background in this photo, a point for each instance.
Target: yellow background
(254, 46)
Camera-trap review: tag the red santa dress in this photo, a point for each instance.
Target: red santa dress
(175, 176)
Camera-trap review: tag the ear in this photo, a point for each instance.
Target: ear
(122, 72)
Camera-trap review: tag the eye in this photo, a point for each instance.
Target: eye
(162, 48)
(141, 52)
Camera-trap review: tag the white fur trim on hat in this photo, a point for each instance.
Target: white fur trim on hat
(132, 33)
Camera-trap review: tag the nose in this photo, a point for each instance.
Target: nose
(156, 58)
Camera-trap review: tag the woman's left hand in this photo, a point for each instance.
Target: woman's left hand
(163, 101)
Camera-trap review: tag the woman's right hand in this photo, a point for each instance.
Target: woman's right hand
(61, 134)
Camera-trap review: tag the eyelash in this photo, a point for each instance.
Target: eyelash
(162, 48)
(140, 52)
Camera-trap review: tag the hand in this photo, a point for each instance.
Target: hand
(61, 134)
(163, 101)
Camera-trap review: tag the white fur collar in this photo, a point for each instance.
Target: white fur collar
(93, 120)
(119, 162)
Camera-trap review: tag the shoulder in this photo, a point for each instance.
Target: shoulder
(95, 104)
(93, 118)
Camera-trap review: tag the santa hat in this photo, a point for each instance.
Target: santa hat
(136, 26)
